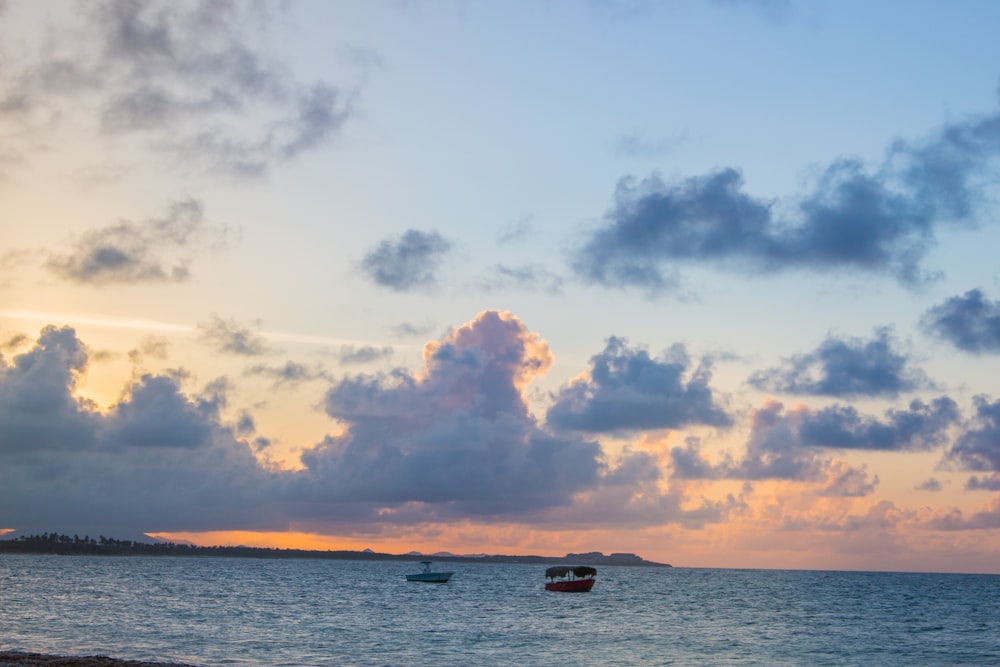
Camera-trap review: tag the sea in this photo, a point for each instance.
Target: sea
(244, 611)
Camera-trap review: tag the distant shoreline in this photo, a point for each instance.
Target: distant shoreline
(64, 545)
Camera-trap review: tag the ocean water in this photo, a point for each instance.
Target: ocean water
(222, 611)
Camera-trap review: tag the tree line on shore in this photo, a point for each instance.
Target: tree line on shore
(56, 543)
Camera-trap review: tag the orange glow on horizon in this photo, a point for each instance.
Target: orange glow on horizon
(778, 525)
(460, 539)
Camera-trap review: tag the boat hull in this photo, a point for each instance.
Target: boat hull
(571, 586)
(430, 577)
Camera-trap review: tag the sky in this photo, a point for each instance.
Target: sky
(710, 282)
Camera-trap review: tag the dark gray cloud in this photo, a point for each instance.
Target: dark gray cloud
(930, 484)
(977, 483)
(245, 427)
(155, 250)
(921, 427)
(156, 460)
(970, 322)
(13, 340)
(245, 424)
(193, 79)
(156, 414)
(627, 390)
(846, 367)
(38, 411)
(775, 450)
(453, 442)
(978, 448)
(460, 435)
(229, 337)
(407, 262)
(878, 220)
(792, 445)
(458, 440)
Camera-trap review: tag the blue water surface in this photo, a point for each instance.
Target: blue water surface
(234, 611)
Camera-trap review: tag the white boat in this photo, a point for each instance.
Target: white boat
(428, 576)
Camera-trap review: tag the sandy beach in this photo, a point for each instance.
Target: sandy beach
(19, 659)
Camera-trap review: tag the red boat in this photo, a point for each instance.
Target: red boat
(578, 579)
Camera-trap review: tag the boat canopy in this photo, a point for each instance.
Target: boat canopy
(564, 570)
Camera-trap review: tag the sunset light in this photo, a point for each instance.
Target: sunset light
(714, 283)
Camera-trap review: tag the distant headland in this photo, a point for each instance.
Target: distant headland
(55, 543)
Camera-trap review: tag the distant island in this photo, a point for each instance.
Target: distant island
(55, 543)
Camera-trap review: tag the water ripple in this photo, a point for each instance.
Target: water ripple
(219, 611)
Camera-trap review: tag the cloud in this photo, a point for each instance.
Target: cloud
(846, 368)
(976, 483)
(410, 330)
(630, 496)
(969, 322)
(978, 448)
(635, 145)
(930, 484)
(150, 346)
(986, 519)
(156, 460)
(365, 354)
(459, 435)
(408, 262)
(289, 374)
(156, 414)
(190, 79)
(688, 462)
(921, 427)
(453, 442)
(775, 449)
(792, 444)
(38, 411)
(846, 481)
(878, 220)
(155, 250)
(529, 277)
(228, 337)
(457, 440)
(515, 231)
(13, 341)
(627, 390)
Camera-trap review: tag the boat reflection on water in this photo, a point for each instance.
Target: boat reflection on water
(567, 579)
(428, 576)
